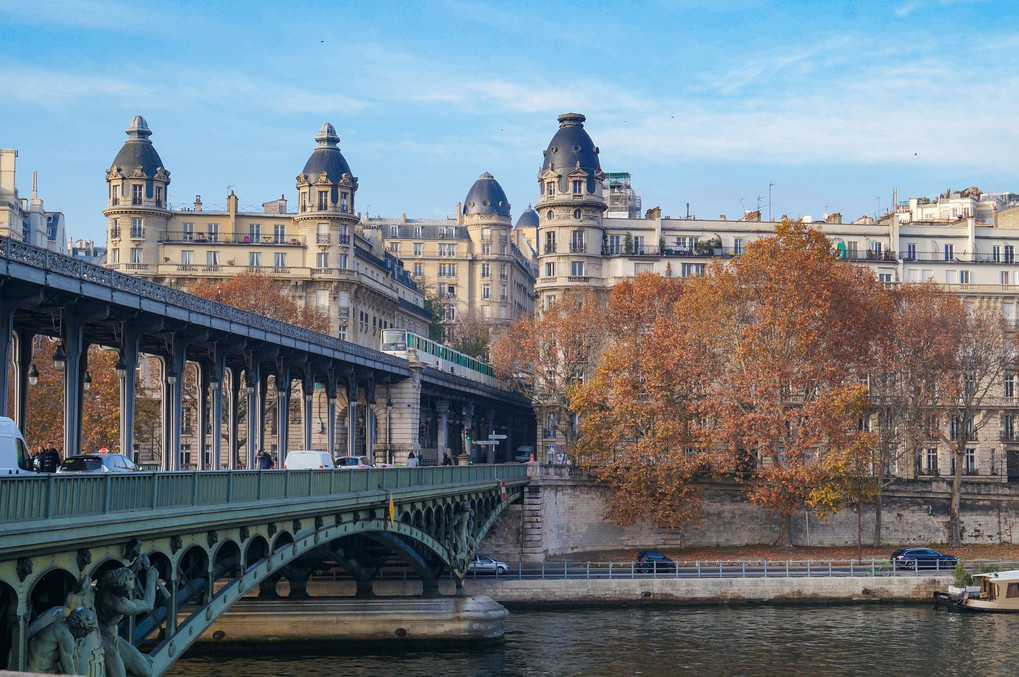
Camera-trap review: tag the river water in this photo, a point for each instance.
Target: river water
(762, 640)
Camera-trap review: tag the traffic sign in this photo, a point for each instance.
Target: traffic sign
(484, 442)
(496, 437)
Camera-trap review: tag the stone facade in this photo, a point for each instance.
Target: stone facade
(563, 514)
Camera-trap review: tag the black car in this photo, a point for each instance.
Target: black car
(922, 558)
(653, 561)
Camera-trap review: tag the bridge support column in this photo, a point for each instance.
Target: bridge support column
(216, 382)
(331, 413)
(6, 336)
(405, 414)
(23, 340)
(127, 374)
(202, 417)
(263, 391)
(235, 416)
(76, 350)
(174, 391)
(442, 436)
(308, 385)
(364, 589)
(282, 413)
(370, 420)
(351, 415)
(254, 412)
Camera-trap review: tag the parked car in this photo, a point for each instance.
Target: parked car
(95, 463)
(922, 558)
(304, 459)
(353, 462)
(483, 564)
(15, 458)
(653, 561)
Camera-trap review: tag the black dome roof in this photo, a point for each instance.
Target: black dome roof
(327, 157)
(138, 150)
(528, 219)
(570, 145)
(486, 197)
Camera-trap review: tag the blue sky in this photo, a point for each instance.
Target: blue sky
(705, 102)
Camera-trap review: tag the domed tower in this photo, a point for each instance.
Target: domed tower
(326, 189)
(569, 211)
(486, 215)
(136, 207)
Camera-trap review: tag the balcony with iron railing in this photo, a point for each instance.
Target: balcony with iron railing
(549, 248)
(276, 240)
(323, 238)
(1005, 257)
(578, 247)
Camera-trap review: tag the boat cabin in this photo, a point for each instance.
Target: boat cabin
(999, 591)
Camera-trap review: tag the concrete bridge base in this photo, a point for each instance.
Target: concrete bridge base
(332, 618)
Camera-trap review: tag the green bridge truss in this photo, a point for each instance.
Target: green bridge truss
(215, 536)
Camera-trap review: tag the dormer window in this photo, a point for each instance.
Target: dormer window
(343, 202)
(577, 187)
(136, 194)
(323, 200)
(550, 187)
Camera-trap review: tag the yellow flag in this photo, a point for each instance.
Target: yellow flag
(392, 509)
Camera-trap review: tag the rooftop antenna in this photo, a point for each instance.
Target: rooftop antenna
(769, 200)
(743, 205)
(230, 186)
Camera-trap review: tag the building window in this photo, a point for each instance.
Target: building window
(549, 269)
(136, 194)
(486, 269)
(949, 252)
(614, 245)
(115, 229)
(1009, 253)
(447, 269)
(114, 255)
(503, 271)
(486, 292)
(577, 268)
(323, 200)
(279, 233)
(884, 277)
(486, 247)
(1008, 427)
(279, 260)
(342, 263)
(419, 269)
(691, 269)
(255, 259)
(502, 293)
(578, 188)
(1010, 386)
(550, 243)
(254, 231)
(343, 202)
(212, 258)
(188, 231)
(549, 300)
(322, 300)
(419, 249)
(970, 462)
(136, 255)
(910, 252)
(322, 260)
(877, 248)
(996, 254)
(550, 190)
(136, 228)
(550, 215)
(931, 461)
(450, 313)
(159, 196)
(213, 230)
(963, 277)
(447, 249)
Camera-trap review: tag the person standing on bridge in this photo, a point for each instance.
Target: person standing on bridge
(49, 460)
(412, 460)
(264, 460)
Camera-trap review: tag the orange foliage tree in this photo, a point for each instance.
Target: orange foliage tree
(263, 295)
(543, 356)
(782, 338)
(636, 411)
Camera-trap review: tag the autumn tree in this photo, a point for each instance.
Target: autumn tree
(264, 295)
(542, 356)
(471, 335)
(915, 361)
(637, 413)
(782, 335)
(984, 355)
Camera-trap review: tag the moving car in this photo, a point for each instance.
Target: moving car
(305, 459)
(483, 564)
(93, 463)
(649, 561)
(353, 462)
(922, 558)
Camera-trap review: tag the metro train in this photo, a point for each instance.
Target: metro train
(401, 343)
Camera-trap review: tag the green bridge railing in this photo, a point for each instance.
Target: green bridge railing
(71, 495)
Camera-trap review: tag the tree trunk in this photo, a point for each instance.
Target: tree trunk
(785, 531)
(859, 532)
(954, 526)
(878, 504)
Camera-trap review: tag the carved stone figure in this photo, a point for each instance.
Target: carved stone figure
(117, 597)
(52, 647)
(462, 543)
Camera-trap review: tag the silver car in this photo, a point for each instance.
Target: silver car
(94, 463)
(483, 564)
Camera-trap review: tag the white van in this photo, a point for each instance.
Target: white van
(304, 460)
(15, 458)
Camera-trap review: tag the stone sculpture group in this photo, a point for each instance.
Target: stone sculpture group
(82, 637)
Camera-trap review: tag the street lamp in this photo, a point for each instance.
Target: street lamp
(87, 383)
(171, 374)
(214, 380)
(33, 374)
(121, 367)
(59, 357)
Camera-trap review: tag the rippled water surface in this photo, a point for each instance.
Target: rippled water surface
(764, 641)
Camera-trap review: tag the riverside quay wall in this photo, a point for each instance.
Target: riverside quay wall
(563, 514)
